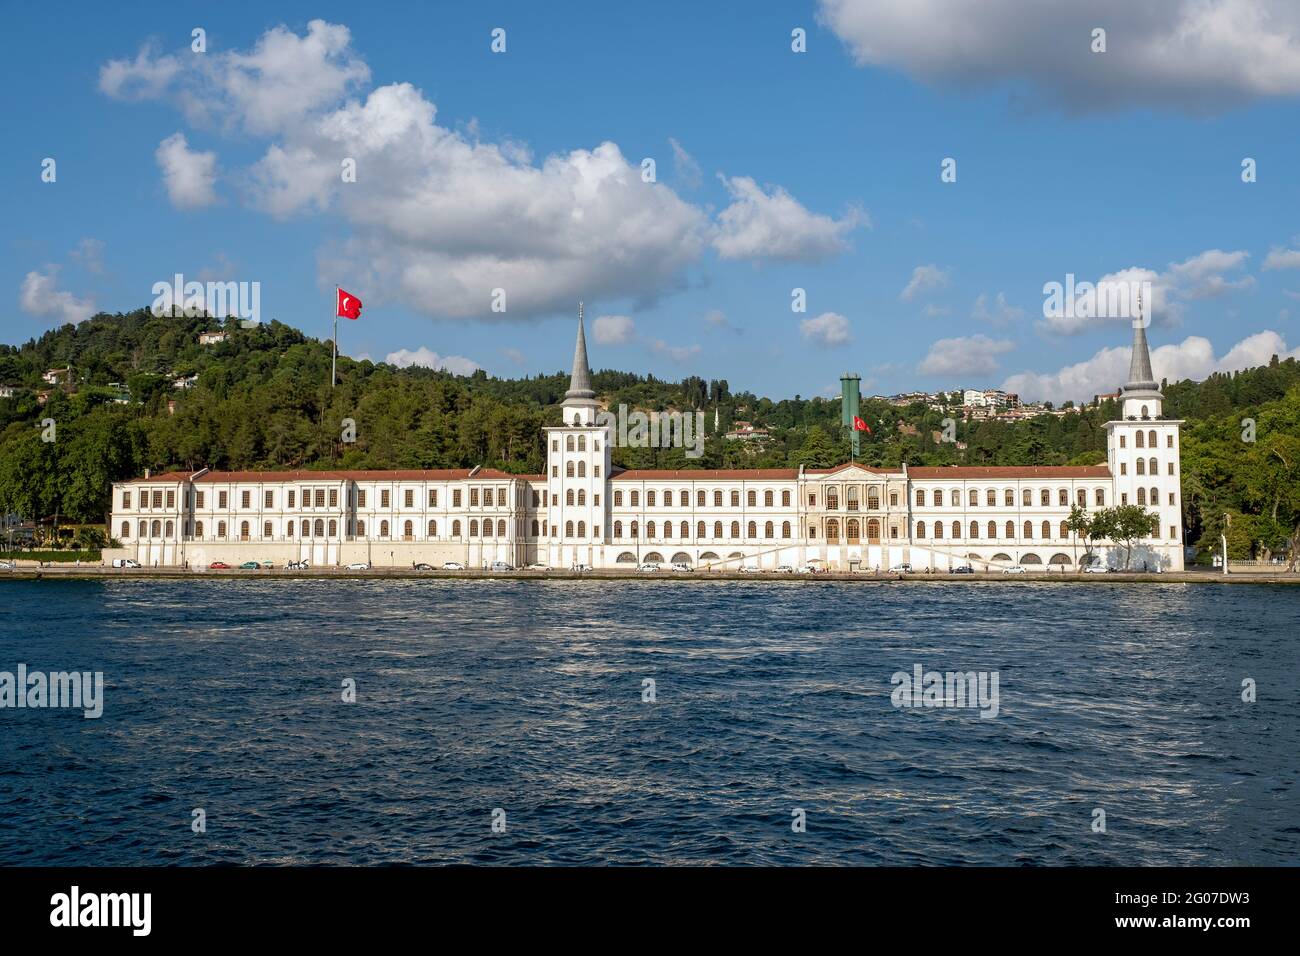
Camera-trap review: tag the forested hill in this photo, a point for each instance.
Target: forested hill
(261, 399)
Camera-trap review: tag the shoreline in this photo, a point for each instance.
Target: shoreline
(98, 573)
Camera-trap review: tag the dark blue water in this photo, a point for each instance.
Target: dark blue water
(527, 696)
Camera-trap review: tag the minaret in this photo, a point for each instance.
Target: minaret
(1140, 395)
(580, 391)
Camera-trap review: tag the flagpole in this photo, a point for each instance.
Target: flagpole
(335, 360)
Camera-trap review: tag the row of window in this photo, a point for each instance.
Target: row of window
(581, 470)
(701, 499)
(1150, 441)
(317, 498)
(1009, 497)
(571, 445)
(1142, 467)
(318, 529)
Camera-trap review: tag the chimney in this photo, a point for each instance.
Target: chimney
(146, 473)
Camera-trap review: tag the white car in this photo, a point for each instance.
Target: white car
(682, 566)
(6, 565)
(537, 567)
(580, 569)
(453, 566)
(784, 569)
(502, 566)
(649, 566)
(125, 563)
(359, 566)
(1096, 569)
(809, 569)
(901, 569)
(751, 569)
(1014, 569)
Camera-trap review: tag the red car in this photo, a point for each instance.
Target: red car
(218, 566)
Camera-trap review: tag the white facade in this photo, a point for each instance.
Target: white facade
(584, 511)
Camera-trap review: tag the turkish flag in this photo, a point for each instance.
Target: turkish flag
(349, 306)
(860, 425)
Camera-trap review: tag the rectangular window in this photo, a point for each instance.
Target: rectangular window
(269, 499)
(487, 498)
(473, 497)
(245, 498)
(1123, 499)
(171, 499)
(555, 501)
(433, 498)
(198, 499)
(555, 471)
(384, 498)
(157, 499)
(361, 497)
(893, 499)
(455, 498)
(1173, 532)
(222, 500)
(334, 497)
(812, 500)
(1169, 440)
(893, 531)
(408, 498)
(319, 498)
(126, 499)
(1171, 498)
(595, 473)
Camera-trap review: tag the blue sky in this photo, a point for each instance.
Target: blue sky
(816, 170)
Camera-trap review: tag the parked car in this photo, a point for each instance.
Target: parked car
(784, 569)
(250, 566)
(1096, 569)
(502, 566)
(297, 565)
(1014, 569)
(268, 565)
(123, 563)
(649, 566)
(452, 566)
(809, 569)
(9, 565)
(682, 566)
(580, 569)
(359, 566)
(423, 567)
(537, 567)
(903, 568)
(219, 566)
(751, 569)
(964, 569)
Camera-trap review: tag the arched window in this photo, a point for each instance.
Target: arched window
(955, 498)
(769, 530)
(361, 528)
(126, 529)
(1027, 498)
(1009, 498)
(408, 531)
(992, 498)
(306, 528)
(1140, 440)
(751, 499)
(717, 499)
(582, 496)
(455, 529)
(582, 469)
(993, 529)
(198, 529)
(735, 498)
(582, 443)
(956, 529)
(1062, 497)
(618, 499)
(582, 529)
(873, 499)
(568, 469)
(568, 497)
(1099, 496)
(334, 527)
(568, 529)
(649, 530)
(383, 529)
(785, 529)
(649, 499)
(169, 528)
(1153, 467)
(1011, 529)
(751, 531)
(974, 498)
(473, 529)
(717, 531)
(852, 531)
(432, 530)
(155, 529)
(1155, 498)
(833, 531)
(1029, 530)
(920, 496)
(1141, 466)
(1151, 439)
(266, 529)
(577, 419)
(785, 499)
(735, 529)
(1065, 530)
(618, 529)
(635, 529)
(1047, 530)
(243, 531)
(873, 531)
(221, 529)
(938, 529)
(700, 498)
(636, 499)
(974, 530)
(1045, 498)
(699, 530)
(668, 530)
(767, 499)
(686, 529)
(1142, 496)
(1082, 497)
(144, 530)
(920, 529)
(568, 443)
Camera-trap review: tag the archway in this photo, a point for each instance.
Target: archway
(681, 557)
(627, 557)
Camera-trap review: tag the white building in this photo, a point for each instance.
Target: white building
(584, 510)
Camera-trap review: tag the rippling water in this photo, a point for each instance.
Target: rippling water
(527, 696)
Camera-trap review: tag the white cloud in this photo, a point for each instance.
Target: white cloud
(685, 168)
(89, 254)
(1000, 313)
(964, 355)
(1282, 259)
(613, 329)
(145, 77)
(924, 279)
(515, 356)
(40, 296)
(190, 176)
(1105, 371)
(1202, 276)
(678, 353)
(932, 311)
(456, 364)
(1192, 55)
(774, 225)
(830, 329)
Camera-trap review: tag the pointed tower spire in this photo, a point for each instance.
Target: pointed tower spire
(580, 380)
(1140, 376)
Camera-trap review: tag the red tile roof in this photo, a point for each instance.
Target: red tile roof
(706, 474)
(1012, 471)
(411, 474)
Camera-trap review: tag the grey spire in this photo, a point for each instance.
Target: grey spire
(580, 381)
(1140, 376)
